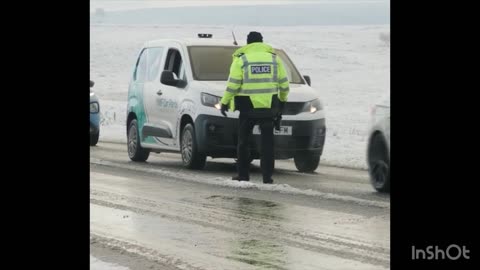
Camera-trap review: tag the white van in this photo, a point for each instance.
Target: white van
(173, 106)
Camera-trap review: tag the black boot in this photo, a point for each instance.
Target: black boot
(268, 181)
(240, 178)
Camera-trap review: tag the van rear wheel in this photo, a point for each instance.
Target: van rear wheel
(135, 151)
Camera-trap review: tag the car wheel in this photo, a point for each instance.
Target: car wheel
(191, 158)
(379, 164)
(306, 162)
(94, 138)
(135, 151)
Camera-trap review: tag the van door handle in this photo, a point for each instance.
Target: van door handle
(159, 92)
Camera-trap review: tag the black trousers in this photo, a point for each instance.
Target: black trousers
(267, 163)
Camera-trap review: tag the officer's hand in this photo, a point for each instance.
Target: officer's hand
(276, 122)
(223, 110)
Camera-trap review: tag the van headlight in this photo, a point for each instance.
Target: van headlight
(313, 106)
(94, 108)
(210, 100)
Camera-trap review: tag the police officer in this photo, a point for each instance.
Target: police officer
(258, 87)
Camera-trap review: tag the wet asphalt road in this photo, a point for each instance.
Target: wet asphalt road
(158, 215)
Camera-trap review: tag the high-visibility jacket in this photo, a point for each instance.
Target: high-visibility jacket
(256, 72)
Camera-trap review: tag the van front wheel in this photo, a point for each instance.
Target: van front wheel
(306, 162)
(191, 158)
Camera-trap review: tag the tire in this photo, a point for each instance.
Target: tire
(379, 164)
(94, 138)
(306, 162)
(135, 151)
(191, 158)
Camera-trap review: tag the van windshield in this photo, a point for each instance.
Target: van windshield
(212, 63)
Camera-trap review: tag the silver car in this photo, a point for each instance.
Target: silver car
(378, 146)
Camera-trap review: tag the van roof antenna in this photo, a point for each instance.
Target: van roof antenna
(234, 39)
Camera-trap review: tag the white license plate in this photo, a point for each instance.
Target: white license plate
(284, 130)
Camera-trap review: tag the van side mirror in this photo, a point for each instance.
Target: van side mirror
(307, 78)
(168, 78)
(92, 83)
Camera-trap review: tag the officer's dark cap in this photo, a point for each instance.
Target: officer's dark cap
(254, 37)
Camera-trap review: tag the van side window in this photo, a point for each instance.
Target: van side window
(154, 57)
(174, 63)
(141, 68)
